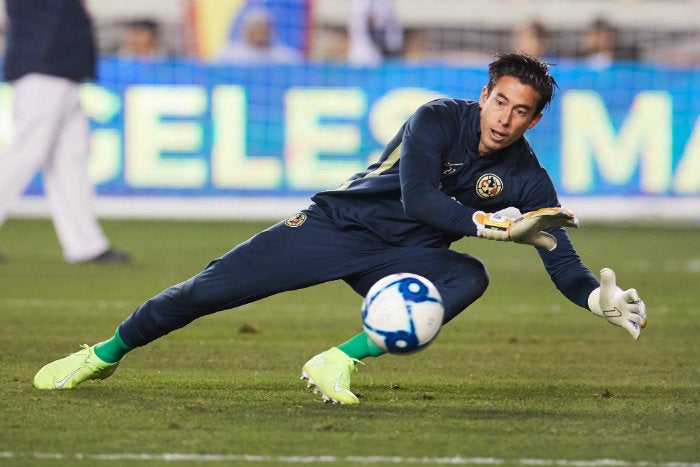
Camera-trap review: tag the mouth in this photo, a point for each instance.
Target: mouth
(498, 136)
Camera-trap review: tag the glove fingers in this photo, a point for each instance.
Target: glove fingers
(573, 222)
(549, 212)
(634, 318)
(632, 328)
(547, 241)
(607, 288)
(636, 306)
(564, 218)
(642, 312)
(548, 221)
(630, 295)
(540, 240)
(633, 314)
(529, 227)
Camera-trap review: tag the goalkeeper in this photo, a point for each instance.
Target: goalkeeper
(449, 169)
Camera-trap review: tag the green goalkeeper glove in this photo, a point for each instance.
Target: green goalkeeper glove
(621, 308)
(527, 228)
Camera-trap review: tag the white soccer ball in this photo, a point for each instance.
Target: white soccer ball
(402, 313)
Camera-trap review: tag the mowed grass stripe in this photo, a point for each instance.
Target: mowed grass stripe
(352, 460)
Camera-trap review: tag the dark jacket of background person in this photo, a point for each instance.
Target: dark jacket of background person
(52, 37)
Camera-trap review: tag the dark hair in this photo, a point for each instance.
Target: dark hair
(602, 25)
(146, 24)
(528, 70)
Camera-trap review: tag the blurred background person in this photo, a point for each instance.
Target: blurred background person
(50, 49)
(331, 45)
(256, 42)
(415, 48)
(599, 44)
(140, 38)
(375, 32)
(531, 38)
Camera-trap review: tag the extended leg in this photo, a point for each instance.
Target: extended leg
(278, 259)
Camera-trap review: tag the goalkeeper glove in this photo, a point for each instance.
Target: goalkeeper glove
(527, 228)
(621, 308)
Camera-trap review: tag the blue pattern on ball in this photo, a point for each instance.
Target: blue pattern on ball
(417, 296)
(401, 341)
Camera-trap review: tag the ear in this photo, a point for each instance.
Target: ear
(484, 95)
(535, 120)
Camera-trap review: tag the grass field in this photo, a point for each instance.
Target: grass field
(521, 378)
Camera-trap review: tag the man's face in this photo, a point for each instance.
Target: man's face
(258, 33)
(506, 113)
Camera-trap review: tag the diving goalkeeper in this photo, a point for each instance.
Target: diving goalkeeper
(450, 168)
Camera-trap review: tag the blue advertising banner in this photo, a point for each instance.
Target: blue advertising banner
(189, 129)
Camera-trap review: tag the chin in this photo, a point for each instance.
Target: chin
(495, 148)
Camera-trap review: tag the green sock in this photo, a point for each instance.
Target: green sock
(112, 350)
(360, 347)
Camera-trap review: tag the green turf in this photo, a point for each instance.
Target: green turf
(523, 374)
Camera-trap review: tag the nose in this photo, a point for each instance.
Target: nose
(505, 118)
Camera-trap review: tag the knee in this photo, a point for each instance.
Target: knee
(469, 281)
(474, 273)
(195, 295)
(482, 279)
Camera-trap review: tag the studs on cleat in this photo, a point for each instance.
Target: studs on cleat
(316, 390)
(331, 376)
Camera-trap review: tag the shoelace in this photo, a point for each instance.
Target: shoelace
(352, 364)
(88, 354)
(87, 348)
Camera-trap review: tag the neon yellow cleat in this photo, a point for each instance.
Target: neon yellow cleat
(72, 370)
(329, 373)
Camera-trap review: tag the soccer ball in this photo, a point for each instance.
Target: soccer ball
(402, 313)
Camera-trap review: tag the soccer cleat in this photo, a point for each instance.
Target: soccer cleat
(72, 370)
(110, 256)
(329, 373)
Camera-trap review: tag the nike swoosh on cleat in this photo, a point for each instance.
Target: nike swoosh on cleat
(337, 387)
(61, 383)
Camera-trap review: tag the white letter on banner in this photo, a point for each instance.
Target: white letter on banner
(307, 138)
(688, 171)
(391, 111)
(147, 136)
(102, 105)
(644, 140)
(230, 166)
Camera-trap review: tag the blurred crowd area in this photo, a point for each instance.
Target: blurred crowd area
(370, 32)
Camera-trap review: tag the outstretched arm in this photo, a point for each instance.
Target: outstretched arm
(578, 284)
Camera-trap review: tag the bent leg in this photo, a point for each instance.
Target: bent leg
(460, 278)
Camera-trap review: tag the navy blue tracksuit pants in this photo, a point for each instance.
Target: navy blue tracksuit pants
(294, 255)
